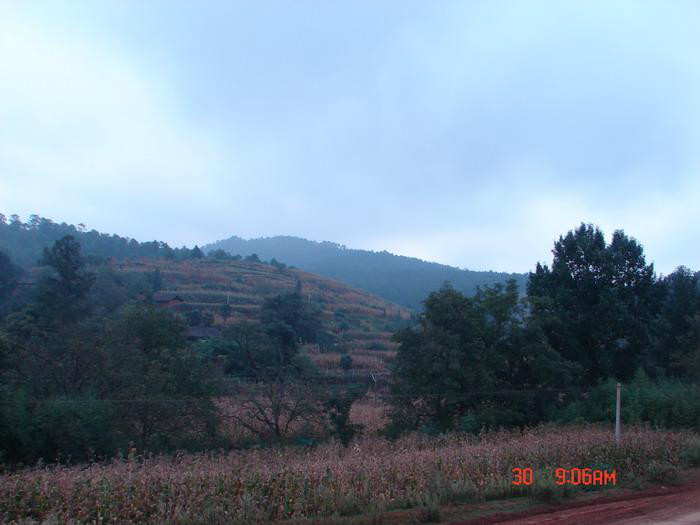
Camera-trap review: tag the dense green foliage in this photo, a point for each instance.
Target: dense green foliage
(597, 302)
(338, 408)
(663, 403)
(271, 346)
(597, 316)
(675, 333)
(403, 280)
(27, 241)
(459, 364)
(85, 373)
(602, 306)
(88, 366)
(293, 316)
(9, 273)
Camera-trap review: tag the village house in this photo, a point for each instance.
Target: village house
(167, 299)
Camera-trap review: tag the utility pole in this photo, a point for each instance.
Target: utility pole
(617, 415)
(374, 380)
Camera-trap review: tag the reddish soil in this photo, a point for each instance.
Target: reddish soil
(659, 506)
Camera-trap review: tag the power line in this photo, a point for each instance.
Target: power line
(362, 373)
(417, 395)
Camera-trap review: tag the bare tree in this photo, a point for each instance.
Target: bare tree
(277, 407)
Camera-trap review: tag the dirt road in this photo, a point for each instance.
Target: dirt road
(658, 506)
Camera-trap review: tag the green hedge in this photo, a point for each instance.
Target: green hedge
(664, 403)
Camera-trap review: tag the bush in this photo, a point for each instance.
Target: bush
(691, 454)
(337, 410)
(346, 362)
(469, 423)
(545, 488)
(430, 513)
(60, 429)
(666, 403)
(662, 472)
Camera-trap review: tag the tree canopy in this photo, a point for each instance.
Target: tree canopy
(597, 302)
(598, 314)
(465, 349)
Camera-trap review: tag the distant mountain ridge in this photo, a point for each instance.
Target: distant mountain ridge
(403, 280)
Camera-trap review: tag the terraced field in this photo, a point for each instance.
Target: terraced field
(361, 322)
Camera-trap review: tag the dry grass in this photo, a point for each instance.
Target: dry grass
(370, 414)
(261, 485)
(360, 363)
(327, 361)
(366, 362)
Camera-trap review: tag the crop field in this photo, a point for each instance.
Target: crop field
(361, 322)
(360, 361)
(371, 475)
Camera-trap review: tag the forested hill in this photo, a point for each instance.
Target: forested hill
(403, 280)
(24, 242)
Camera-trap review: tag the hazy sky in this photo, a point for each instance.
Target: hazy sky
(471, 133)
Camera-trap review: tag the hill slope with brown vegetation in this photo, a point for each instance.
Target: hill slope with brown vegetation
(353, 321)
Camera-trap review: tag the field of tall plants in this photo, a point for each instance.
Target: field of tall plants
(372, 474)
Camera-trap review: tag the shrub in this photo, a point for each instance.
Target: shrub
(545, 489)
(430, 513)
(61, 429)
(666, 403)
(469, 423)
(662, 472)
(691, 454)
(346, 363)
(337, 410)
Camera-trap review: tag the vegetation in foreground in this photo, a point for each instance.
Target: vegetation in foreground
(598, 315)
(374, 474)
(88, 368)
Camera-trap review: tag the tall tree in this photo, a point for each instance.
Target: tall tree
(63, 295)
(675, 345)
(156, 280)
(596, 303)
(165, 389)
(290, 320)
(8, 276)
(54, 347)
(463, 351)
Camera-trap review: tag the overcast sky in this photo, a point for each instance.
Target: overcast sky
(471, 133)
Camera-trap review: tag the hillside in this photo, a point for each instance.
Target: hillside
(355, 321)
(403, 280)
(24, 242)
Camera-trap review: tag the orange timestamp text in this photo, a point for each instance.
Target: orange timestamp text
(568, 476)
